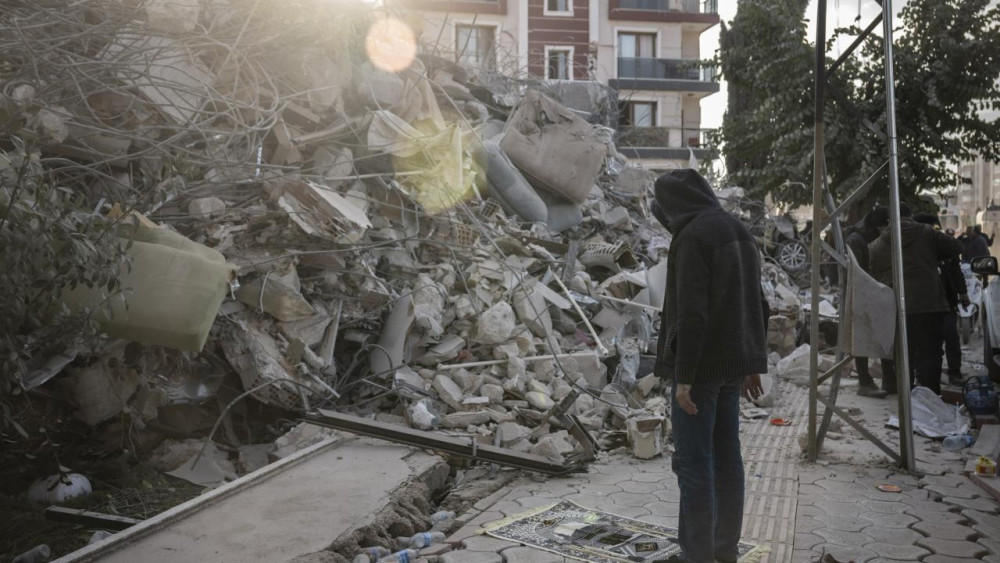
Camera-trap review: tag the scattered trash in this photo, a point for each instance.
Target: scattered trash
(59, 488)
(958, 442)
(986, 467)
(887, 488)
(778, 421)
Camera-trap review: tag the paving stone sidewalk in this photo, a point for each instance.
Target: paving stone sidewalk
(801, 511)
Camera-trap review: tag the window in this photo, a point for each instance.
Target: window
(639, 114)
(558, 8)
(475, 45)
(559, 64)
(636, 45)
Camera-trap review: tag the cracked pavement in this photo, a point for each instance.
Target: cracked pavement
(801, 511)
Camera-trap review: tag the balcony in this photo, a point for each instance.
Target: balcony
(665, 74)
(459, 6)
(671, 143)
(703, 14)
(686, 6)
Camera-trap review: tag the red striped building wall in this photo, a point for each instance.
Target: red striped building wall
(571, 31)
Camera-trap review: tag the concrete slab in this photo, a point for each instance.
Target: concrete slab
(298, 510)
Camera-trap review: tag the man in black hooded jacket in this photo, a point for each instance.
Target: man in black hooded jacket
(712, 345)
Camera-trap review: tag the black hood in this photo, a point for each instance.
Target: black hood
(681, 195)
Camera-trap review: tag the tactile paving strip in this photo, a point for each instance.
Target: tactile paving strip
(770, 459)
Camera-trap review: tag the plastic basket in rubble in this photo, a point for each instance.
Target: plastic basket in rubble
(981, 397)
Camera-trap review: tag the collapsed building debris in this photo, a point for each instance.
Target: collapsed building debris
(400, 243)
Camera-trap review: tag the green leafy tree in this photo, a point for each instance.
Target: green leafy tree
(766, 61)
(947, 66)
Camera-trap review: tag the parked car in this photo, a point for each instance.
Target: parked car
(986, 266)
(777, 235)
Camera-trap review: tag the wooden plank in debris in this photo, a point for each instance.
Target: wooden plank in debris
(89, 519)
(456, 446)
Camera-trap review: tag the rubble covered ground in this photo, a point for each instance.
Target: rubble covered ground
(318, 213)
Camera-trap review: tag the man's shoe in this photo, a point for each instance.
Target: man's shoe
(873, 392)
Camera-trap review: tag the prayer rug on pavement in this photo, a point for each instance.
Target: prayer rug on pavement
(570, 530)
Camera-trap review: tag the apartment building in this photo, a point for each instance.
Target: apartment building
(646, 51)
(978, 187)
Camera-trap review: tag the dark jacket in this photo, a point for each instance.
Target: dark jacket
(859, 239)
(715, 315)
(923, 250)
(976, 246)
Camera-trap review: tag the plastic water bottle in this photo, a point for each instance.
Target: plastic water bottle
(442, 516)
(425, 539)
(956, 442)
(361, 558)
(405, 556)
(376, 553)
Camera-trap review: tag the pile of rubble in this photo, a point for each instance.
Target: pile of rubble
(371, 229)
(376, 229)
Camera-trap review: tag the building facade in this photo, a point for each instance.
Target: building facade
(645, 51)
(978, 188)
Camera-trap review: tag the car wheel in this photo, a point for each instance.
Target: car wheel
(792, 255)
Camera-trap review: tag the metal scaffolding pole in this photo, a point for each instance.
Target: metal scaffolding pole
(819, 171)
(902, 358)
(822, 196)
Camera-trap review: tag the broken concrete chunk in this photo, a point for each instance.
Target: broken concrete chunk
(495, 325)
(516, 368)
(206, 207)
(532, 310)
(463, 419)
(646, 384)
(449, 391)
(618, 218)
(593, 370)
(276, 299)
(470, 382)
(539, 400)
(428, 305)
(511, 433)
(493, 392)
(444, 351)
(310, 330)
(554, 148)
(538, 386)
(553, 447)
(405, 376)
(508, 350)
(255, 356)
(560, 389)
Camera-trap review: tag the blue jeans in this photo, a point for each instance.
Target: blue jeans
(709, 469)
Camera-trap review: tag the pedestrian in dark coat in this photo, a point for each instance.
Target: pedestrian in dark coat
(713, 346)
(976, 245)
(955, 291)
(926, 300)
